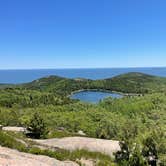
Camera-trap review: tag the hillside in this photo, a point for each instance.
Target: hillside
(136, 83)
(43, 107)
(55, 90)
(59, 85)
(126, 83)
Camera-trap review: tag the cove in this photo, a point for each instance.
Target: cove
(92, 96)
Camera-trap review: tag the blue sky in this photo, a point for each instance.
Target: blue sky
(82, 33)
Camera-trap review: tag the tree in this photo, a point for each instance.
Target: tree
(130, 156)
(123, 155)
(136, 158)
(103, 129)
(37, 126)
(150, 150)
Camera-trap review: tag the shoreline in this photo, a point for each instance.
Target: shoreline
(102, 90)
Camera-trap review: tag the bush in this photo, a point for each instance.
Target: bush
(8, 141)
(37, 126)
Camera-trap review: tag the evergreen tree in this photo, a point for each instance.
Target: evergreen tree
(37, 126)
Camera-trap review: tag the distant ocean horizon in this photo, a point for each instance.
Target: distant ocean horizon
(27, 75)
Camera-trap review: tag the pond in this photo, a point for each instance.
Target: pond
(94, 96)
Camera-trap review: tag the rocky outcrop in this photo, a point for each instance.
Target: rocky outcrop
(74, 143)
(14, 129)
(10, 157)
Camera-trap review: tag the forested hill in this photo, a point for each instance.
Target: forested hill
(59, 85)
(136, 83)
(126, 83)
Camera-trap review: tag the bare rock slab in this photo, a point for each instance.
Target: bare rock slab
(10, 157)
(77, 143)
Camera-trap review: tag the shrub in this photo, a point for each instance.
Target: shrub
(37, 126)
(10, 142)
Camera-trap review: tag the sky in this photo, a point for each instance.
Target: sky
(37, 34)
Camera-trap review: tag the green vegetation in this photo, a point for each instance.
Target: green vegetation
(7, 140)
(137, 121)
(136, 83)
(37, 126)
(126, 83)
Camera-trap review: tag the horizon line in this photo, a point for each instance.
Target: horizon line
(82, 68)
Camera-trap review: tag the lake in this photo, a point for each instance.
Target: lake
(22, 76)
(93, 96)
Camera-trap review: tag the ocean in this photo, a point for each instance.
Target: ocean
(22, 76)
